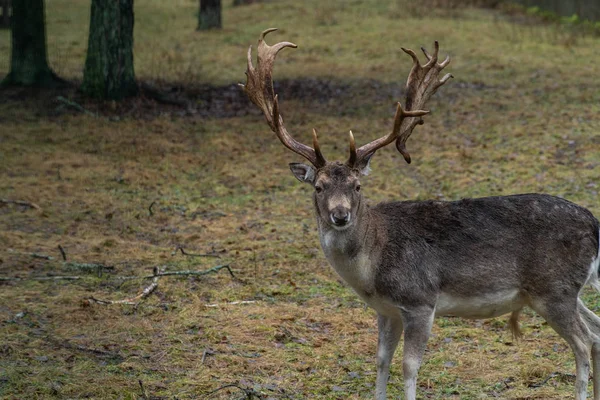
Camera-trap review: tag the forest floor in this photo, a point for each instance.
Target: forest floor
(126, 186)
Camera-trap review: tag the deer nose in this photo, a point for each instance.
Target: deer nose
(340, 217)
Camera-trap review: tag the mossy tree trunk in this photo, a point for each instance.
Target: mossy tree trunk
(108, 72)
(29, 62)
(210, 15)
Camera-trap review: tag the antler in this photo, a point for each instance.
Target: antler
(421, 84)
(259, 88)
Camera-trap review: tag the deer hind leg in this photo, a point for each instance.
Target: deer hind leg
(562, 316)
(513, 324)
(390, 330)
(593, 323)
(417, 327)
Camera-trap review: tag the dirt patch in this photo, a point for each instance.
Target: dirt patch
(205, 100)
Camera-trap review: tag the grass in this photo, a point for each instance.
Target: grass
(520, 116)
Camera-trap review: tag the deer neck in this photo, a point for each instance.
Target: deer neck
(352, 252)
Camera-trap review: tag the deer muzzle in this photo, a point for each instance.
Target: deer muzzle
(340, 216)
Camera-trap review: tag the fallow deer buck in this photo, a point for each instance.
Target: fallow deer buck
(414, 260)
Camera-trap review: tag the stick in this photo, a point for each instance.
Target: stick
(233, 303)
(150, 208)
(144, 393)
(186, 273)
(193, 255)
(39, 278)
(207, 352)
(42, 256)
(98, 352)
(74, 105)
(134, 301)
(20, 203)
(62, 252)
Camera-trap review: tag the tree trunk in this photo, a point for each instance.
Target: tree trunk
(210, 15)
(242, 2)
(29, 62)
(5, 21)
(108, 72)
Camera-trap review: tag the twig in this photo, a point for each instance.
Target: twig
(42, 256)
(74, 105)
(39, 278)
(98, 352)
(233, 303)
(20, 203)
(207, 352)
(185, 273)
(150, 208)
(62, 253)
(144, 393)
(192, 254)
(134, 301)
(551, 376)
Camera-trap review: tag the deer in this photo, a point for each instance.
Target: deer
(412, 261)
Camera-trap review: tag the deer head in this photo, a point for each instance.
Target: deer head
(337, 185)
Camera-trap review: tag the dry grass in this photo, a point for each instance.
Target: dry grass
(521, 116)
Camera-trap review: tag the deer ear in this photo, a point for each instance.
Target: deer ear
(303, 172)
(365, 164)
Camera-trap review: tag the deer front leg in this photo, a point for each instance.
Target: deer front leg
(390, 330)
(417, 326)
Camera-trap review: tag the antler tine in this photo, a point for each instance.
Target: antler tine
(320, 159)
(259, 88)
(353, 155)
(421, 84)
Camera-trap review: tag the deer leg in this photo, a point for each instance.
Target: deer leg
(593, 323)
(560, 315)
(390, 330)
(417, 326)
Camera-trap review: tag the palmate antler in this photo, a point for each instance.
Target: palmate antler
(421, 84)
(259, 88)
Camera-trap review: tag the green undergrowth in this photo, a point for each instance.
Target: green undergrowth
(127, 192)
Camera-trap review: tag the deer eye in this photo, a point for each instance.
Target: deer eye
(357, 188)
(318, 189)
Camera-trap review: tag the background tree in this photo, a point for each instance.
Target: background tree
(108, 72)
(210, 15)
(29, 62)
(242, 2)
(5, 9)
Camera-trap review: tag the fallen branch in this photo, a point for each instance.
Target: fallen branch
(192, 254)
(20, 203)
(39, 278)
(134, 301)
(187, 273)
